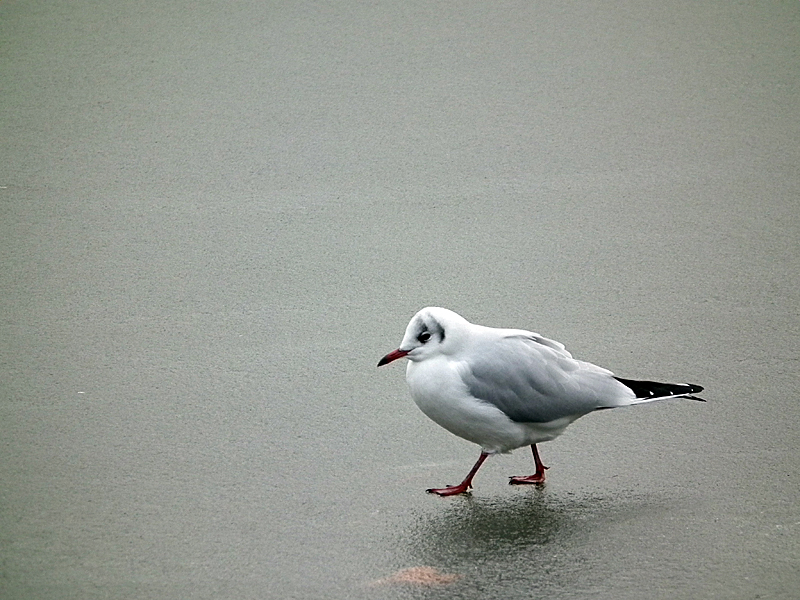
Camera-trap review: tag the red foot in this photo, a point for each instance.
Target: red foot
(451, 490)
(463, 487)
(529, 479)
(537, 477)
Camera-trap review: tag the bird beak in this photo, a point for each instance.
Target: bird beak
(394, 355)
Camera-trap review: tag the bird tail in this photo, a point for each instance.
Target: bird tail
(652, 391)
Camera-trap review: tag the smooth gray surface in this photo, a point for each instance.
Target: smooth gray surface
(216, 217)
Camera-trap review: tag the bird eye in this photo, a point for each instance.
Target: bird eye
(424, 337)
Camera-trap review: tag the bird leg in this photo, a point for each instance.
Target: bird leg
(537, 477)
(464, 486)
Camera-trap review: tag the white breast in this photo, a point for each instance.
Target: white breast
(439, 392)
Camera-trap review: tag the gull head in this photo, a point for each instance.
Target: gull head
(432, 331)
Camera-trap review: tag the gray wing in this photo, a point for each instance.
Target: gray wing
(536, 382)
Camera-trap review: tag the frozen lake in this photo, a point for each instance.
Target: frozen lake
(216, 217)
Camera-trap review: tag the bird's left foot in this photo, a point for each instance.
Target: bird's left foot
(451, 490)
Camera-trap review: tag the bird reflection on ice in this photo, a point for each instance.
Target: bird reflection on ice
(537, 540)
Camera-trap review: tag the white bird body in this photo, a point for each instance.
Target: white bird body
(438, 388)
(507, 388)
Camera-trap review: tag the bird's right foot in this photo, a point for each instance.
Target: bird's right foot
(536, 479)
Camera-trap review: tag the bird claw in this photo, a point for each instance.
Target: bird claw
(527, 480)
(451, 490)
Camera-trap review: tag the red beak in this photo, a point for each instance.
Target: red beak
(394, 355)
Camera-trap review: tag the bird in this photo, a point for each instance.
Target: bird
(503, 389)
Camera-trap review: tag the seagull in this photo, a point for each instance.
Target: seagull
(503, 389)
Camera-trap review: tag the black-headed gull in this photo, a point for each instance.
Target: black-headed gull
(507, 388)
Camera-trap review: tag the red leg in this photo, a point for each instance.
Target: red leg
(464, 486)
(537, 477)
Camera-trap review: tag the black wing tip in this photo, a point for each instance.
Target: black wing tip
(655, 389)
(694, 389)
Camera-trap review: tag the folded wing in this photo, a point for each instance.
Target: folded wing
(535, 380)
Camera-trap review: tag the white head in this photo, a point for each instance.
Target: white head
(431, 331)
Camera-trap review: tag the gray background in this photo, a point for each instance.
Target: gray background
(215, 217)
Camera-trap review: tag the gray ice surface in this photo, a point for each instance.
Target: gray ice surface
(215, 217)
